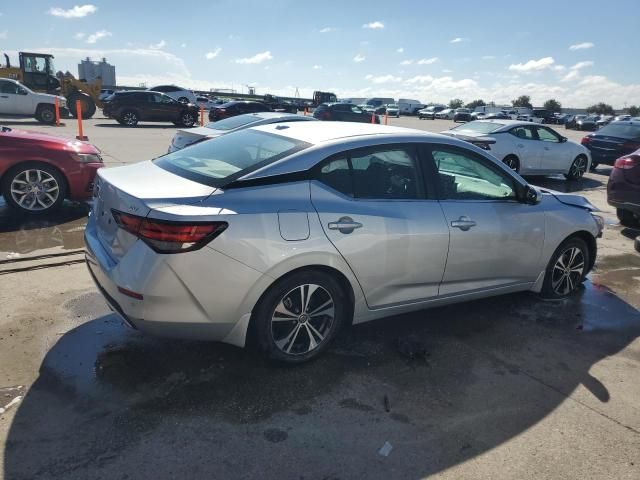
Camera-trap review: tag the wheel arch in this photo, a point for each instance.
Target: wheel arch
(590, 240)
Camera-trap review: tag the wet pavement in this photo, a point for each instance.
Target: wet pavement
(507, 387)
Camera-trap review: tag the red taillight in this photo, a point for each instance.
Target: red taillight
(626, 163)
(586, 140)
(630, 146)
(167, 236)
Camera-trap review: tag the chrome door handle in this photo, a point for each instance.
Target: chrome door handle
(344, 225)
(464, 223)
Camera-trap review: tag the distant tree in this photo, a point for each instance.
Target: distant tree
(456, 103)
(634, 111)
(553, 106)
(522, 101)
(601, 109)
(474, 104)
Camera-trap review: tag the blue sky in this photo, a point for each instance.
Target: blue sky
(578, 52)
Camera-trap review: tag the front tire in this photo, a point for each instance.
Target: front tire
(578, 168)
(299, 316)
(34, 188)
(129, 118)
(627, 218)
(46, 114)
(512, 162)
(187, 119)
(567, 269)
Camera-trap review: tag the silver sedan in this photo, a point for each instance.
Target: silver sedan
(282, 233)
(189, 136)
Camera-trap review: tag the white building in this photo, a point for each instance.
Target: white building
(89, 70)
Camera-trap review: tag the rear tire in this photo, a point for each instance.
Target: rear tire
(187, 119)
(34, 188)
(627, 218)
(512, 162)
(287, 331)
(129, 118)
(46, 114)
(87, 105)
(567, 268)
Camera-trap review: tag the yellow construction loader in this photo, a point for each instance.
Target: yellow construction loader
(37, 72)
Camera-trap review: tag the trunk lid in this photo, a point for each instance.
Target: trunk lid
(136, 190)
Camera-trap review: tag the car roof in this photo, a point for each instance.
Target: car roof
(507, 123)
(236, 102)
(320, 132)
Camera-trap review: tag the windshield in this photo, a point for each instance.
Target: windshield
(621, 130)
(479, 127)
(222, 160)
(233, 122)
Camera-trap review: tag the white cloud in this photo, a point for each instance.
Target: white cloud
(158, 46)
(533, 65)
(79, 36)
(78, 11)
(4, 34)
(446, 70)
(257, 58)
(427, 61)
(559, 68)
(359, 58)
(383, 79)
(94, 37)
(400, 50)
(406, 62)
(458, 40)
(327, 30)
(373, 25)
(581, 46)
(580, 65)
(213, 54)
(317, 67)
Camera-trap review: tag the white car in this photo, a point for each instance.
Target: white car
(17, 100)
(446, 114)
(177, 93)
(527, 148)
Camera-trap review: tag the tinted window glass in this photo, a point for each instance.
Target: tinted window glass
(337, 175)
(478, 127)
(385, 174)
(9, 87)
(356, 109)
(228, 157)
(233, 122)
(463, 176)
(525, 133)
(547, 135)
(159, 89)
(621, 130)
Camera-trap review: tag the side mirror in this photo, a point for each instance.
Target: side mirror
(532, 196)
(563, 139)
(22, 92)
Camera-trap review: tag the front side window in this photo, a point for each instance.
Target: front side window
(384, 173)
(221, 160)
(464, 176)
(356, 109)
(547, 135)
(9, 87)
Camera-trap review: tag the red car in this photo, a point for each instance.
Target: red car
(623, 189)
(38, 171)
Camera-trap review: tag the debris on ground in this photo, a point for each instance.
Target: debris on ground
(385, 450)
(387, 405)
(411, 347)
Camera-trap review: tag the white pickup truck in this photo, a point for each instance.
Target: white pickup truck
(16, 100)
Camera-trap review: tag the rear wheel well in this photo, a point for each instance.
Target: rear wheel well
(339, 276)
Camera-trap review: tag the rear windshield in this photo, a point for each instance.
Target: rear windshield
(222, 160)
(621, 130)
(479, 127)
(233, 122)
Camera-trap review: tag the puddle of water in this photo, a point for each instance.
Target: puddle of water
(23, 235)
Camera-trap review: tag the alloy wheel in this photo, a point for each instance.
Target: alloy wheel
(578, 168)
(35, 190)
(47, 115)
(302, 319)
(187, 120)
(512, 163)
(130, 118)
(568, 270)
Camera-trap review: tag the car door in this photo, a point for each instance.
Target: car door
(8, 98)
(495, 240)
(556, 154)
(374, 209)
(526, 147)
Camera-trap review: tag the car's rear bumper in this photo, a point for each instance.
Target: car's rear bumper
(621, 193)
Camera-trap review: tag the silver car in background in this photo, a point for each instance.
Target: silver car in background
(188, 136)
(280, 234)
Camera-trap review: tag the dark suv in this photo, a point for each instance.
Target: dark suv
(238, 107)
(343, 112)
(133, 106)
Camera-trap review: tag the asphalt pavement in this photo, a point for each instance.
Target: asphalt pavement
(508, 387)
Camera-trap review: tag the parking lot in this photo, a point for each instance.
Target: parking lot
(507, 387)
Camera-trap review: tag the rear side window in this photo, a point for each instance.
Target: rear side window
(525, 133)
(222, 160)
(384, 173)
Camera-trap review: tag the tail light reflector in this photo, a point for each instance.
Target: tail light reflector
(626, 163)
(586, 140)
(167, 236)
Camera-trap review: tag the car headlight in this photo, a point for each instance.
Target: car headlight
(599, 221)
(87, 157)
